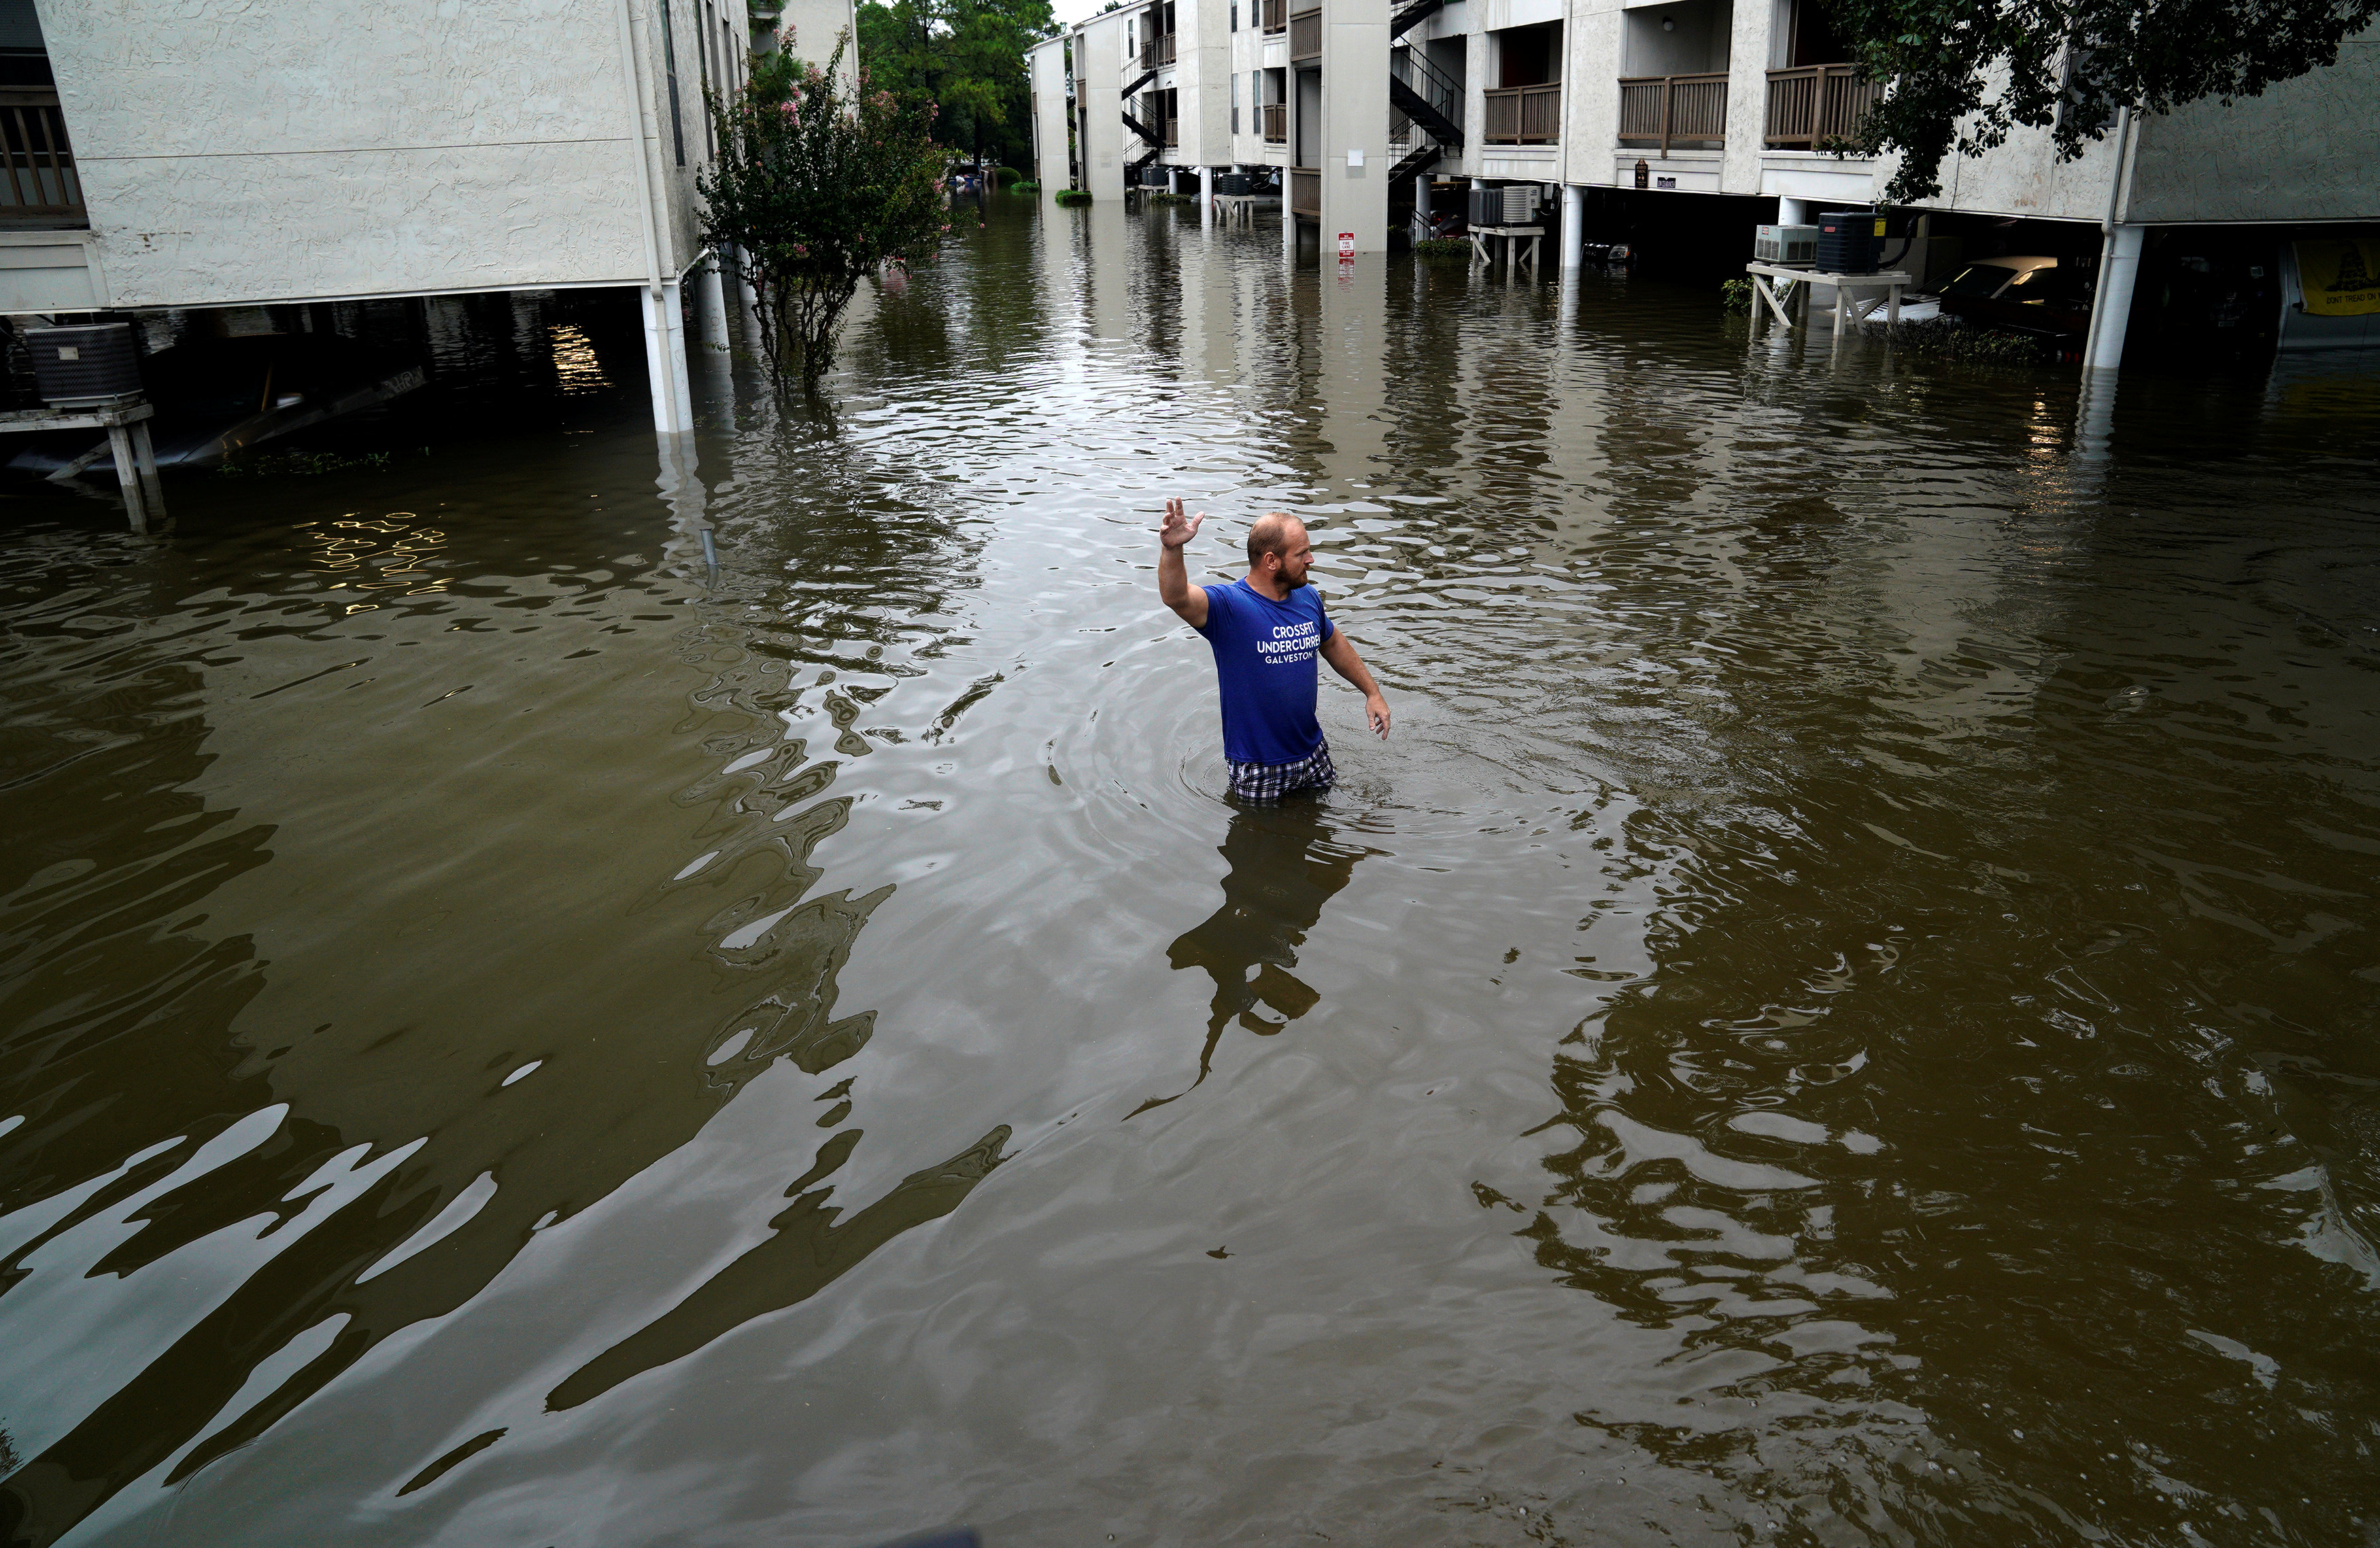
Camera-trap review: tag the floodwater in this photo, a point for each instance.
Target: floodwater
(1844, 1014)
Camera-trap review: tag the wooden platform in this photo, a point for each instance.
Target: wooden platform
(1847, 311)
(126, 424)
(1241, 209)
(1484, 238)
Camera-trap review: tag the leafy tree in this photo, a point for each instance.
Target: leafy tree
(968, 57)
(821, 181)
(1964, 73)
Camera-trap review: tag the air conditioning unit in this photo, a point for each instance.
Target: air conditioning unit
(1517, 205)
(1785, 244)
(1233, 182)
(1847, 241)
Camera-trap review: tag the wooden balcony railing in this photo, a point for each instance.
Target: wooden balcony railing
(1276, 123)
(1172, 132)
(1306, 34)
(1816, 103)
(40, 180)
(1524, 115)
(1156, 51)
(1305, 192)
(1275, 16)
(1668, 110)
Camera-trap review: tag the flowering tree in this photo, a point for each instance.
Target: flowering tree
(821, 181)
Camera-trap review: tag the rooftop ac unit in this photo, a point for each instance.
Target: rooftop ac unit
(1785, 244)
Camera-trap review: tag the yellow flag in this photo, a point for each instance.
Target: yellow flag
(2341, 278)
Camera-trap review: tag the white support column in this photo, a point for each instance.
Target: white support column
(1205, 196)
(1573, 226)
(2111, 303)
(665, 360)
(710, 303)
(1792, 211)
(1422, 212)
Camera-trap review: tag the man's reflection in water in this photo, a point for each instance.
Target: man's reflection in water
(1286, 862)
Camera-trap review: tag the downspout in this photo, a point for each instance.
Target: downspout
(631, 81)
(2118, 186)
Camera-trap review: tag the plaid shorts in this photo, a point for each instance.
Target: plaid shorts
(1270, 781)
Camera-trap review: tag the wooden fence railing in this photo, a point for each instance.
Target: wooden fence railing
(1305, 192)
(40, 177)
(1667, 110)
(1275, 16)
(1276, 123)
(1818, 103)
(1524, 115)
(1306, 34)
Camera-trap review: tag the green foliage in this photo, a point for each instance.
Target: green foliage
(1030, 185)
(968, 57)
(1073, 196)
(273, 465)
(1965, 72)
(821, 181)
(1735, 297)
(1003, 175)
(1950, 339)
(1443, 249)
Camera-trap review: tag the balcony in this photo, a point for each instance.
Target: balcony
(1276, 123)
(1156, 52)
(1306, 34)
(1172, 133)
(1816, 103)
(1672, 110)
(41, 186)
(1524, 115)
(1305, 192)
(1275, 16)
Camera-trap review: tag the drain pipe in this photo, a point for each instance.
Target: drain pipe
(664, 329)
(2120, 261)
(630, 81)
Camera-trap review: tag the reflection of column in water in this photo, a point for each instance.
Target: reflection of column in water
(2095, 416)
(1286, 862)
(680, 482)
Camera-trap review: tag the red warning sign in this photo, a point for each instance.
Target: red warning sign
(1346, 247)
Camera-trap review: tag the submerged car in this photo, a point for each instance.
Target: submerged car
(2029, 294)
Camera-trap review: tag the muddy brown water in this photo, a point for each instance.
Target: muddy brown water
(1844, 1014)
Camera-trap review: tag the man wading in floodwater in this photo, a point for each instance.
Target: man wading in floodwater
(1265, 629)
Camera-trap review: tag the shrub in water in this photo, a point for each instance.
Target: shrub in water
(1735, 297)
(1444, 249)
(1074, 196)
(1030, 185)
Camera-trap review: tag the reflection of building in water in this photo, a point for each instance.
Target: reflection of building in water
(1285, 863)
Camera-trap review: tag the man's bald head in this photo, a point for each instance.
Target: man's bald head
(1275, 532)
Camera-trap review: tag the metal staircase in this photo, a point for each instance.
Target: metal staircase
(1412, 15)
(1424, 94)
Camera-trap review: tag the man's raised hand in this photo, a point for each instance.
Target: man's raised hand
(1178, 529)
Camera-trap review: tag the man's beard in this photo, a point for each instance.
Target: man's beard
(1293, 584)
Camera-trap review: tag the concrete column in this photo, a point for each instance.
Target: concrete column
(1573, 226)
(1205, 196)
(1355, 140)
(1421, 205)
(2111, 304)
(665, 360)
(710, 303)
(1792, 211)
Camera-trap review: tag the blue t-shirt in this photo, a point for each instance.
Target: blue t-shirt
(1264, 663)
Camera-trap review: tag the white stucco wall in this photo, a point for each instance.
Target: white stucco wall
(2305, 151)
(1099, 102)
(1045, 67)
(243, 150)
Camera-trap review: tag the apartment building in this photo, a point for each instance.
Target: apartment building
(240, 153)
(1363, 104)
